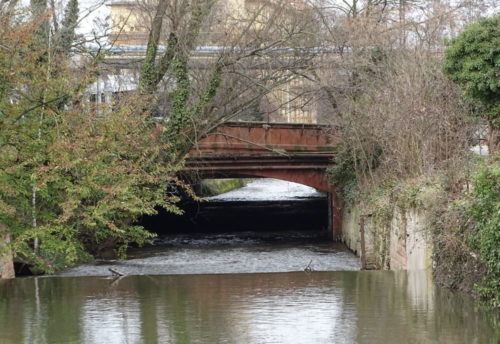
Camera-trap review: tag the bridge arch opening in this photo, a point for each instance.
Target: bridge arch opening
(264, 208)
(299, 153)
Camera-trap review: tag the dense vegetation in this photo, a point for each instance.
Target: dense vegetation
(483, 210)
(74, 175)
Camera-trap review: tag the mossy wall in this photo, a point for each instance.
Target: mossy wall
(400, 243)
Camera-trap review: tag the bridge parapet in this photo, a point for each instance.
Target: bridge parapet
(294, 152)
(254, 138)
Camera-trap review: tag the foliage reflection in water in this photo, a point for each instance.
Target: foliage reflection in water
(298, 307)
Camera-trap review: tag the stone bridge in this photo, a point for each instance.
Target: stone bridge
(297, 153)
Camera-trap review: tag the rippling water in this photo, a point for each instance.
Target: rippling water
(372, 307)
(229, 253)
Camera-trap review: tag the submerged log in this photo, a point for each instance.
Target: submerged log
(6, 257)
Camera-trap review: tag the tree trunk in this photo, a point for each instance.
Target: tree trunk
(493, 139)
(6, 259)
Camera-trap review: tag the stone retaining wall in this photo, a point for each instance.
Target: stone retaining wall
(401, 243)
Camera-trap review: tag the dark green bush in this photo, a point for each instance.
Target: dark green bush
(484, 211)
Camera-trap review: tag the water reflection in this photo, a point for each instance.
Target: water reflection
(319, 307)
(115, 313)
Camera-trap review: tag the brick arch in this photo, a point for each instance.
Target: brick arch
(299, 153)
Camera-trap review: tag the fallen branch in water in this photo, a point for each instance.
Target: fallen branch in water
(116, 272)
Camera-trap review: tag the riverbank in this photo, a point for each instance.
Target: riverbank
(447, 225)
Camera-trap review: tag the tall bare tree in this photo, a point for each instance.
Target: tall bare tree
(207, 61)
(385, 90)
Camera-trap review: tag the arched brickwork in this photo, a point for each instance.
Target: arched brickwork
(298, 153)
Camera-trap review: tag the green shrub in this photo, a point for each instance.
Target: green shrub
(471, 60)
(484, 211)
(342, 174)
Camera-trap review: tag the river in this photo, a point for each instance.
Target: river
(240, 286)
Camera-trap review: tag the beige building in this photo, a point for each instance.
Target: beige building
(230, 21)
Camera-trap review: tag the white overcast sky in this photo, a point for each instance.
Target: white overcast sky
(95, 11)
(92, 13)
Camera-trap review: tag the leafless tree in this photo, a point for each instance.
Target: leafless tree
(381, 84)
(207, 62)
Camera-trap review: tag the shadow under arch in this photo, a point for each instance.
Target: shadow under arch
(315, 178)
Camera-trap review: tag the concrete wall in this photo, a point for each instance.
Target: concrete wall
(399, 243)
